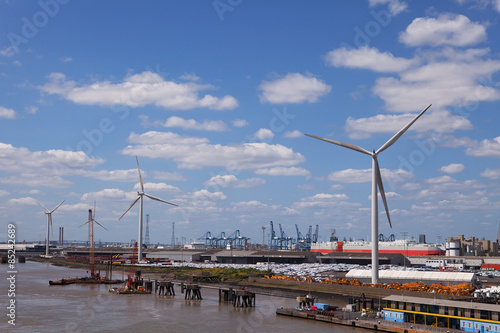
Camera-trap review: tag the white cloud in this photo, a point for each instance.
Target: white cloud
(439, 121)
(138, 90)
(455, 30)
(108, 194)
(191, 124)
(496, 5)
(167, 176)
(66, 59)
(293, 88)
(395, 6)
(113, 175)
(189, 77)
(157, 187)
(365, 175)
(8, 51)
(240, 123)
(264, 134)
(283, 171)
(233, 181)
(7, 113)
(27, 201)
(293, 134)
(486, 148)
(367, 58)
(196, 153)
(42, 168)
(491, 173)
(320, 200)
(453, 168)
(31, 109)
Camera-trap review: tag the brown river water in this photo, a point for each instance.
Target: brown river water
(91, 308)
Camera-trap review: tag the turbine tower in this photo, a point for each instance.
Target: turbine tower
(140, 197)
(49, 224)
(90, 222)
(376, 183)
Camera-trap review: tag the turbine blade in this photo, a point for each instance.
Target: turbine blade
(93, 217)
(401, 132)
(133, 203)
(140, 176)
(161, 200)
(53, 210)
(43, 207)
(342, 144)
(100, 225)
(85, 223)
(381, 189)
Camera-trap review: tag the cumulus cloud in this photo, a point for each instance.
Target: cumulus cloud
(293, 88)
(42, 168)
(233, 181)
(240, 123)
(395, 6)
(447, 29)
(320, 200)
(283, 171)
(365, 175)
(7, 113)
(157, 187)
(367, 58)
(453, 168)
(197, 153)
(138, 90)
(293, 134)
(485, 148)
(191, 124)
(491, 173)
(264, 134)
(440, 121)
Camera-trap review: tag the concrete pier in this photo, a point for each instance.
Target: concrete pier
(192, 291)
(239, 297)
(165, 288)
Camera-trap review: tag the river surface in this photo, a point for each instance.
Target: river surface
(91, 308)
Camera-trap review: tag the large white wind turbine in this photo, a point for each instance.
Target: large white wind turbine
(49, 224)
(140, 196)
(376, 183)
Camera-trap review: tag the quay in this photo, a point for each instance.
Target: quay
(354, 319)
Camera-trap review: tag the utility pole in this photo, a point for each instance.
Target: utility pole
(404, 233)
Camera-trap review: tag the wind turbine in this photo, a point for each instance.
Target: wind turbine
(49, 224)
(90, 222)
(376, 183)
(140, 196)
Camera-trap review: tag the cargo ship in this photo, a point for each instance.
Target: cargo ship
(408, 247)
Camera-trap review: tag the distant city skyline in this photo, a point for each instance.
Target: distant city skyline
(214, 99)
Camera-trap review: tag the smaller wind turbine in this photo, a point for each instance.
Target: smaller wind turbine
(140, 196)
(90, 222)
(49, 224)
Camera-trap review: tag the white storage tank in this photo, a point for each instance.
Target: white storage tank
(452, 249)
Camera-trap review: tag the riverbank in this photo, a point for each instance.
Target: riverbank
(334, 294)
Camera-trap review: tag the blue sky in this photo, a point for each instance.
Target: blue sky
(214, 97)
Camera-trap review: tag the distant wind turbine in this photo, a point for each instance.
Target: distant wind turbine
(376, 183)
(90, 222)
(140, 196)
(49, 224)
